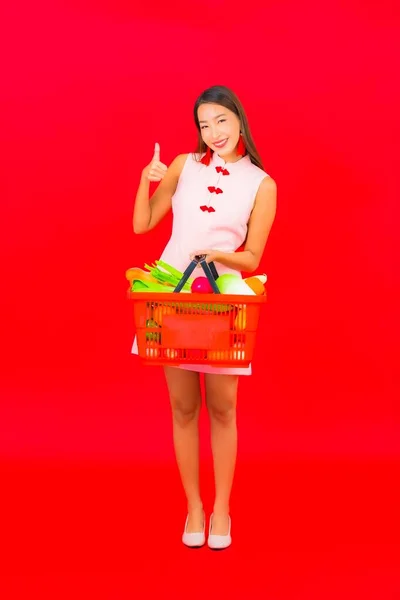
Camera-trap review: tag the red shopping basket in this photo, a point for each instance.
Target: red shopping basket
(176, 329)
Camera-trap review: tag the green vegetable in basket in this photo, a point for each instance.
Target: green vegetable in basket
(139, 285)
(155, 336)
(164, 273)
(149, 286)
(228, 283)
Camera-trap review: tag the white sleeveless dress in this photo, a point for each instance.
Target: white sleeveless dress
(211, 208)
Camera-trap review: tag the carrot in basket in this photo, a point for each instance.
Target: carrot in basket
(136, 274)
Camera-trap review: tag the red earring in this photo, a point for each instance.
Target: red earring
(241, 148)
(207, 157)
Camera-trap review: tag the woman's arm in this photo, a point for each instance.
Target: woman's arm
(259, 226)
(148, 213)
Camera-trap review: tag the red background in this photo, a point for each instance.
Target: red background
(87, 88)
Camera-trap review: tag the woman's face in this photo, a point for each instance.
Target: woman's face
(220, 129)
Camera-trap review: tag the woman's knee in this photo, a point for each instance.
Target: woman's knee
(223, 413)
(185, 410)
(221, 398)
(184, 394)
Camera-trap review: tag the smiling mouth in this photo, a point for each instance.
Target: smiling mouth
(220, 144)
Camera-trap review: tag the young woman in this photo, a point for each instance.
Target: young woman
(221, 199)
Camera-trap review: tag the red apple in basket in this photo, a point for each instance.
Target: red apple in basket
(201, 285)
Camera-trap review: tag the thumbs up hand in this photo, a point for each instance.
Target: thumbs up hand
(155, 170)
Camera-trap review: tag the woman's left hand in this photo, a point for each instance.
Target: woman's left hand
(211, 255)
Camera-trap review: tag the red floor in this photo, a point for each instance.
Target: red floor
(301, 530)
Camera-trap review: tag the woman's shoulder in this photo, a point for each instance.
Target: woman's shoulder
(262, 181)
(194, 157)
(180, 159)
(178, 164)
(185, 161)
(256, 170)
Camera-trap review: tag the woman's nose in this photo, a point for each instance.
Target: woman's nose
(214, 133)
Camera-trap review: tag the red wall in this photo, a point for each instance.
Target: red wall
(87, 88)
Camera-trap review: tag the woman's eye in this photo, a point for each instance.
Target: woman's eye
(220, 121)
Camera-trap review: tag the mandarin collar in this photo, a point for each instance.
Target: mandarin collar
(232, 167)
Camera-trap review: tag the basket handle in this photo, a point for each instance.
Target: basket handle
(209, 270)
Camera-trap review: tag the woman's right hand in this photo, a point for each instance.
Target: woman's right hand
(155, 170)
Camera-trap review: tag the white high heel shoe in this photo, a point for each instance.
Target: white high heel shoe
(194, 540)
(219, 542)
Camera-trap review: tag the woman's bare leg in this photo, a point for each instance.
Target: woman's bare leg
(221, 399)
(185, 397)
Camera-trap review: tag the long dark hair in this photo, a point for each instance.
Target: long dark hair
(219, 94)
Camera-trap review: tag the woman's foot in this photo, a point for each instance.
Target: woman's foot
(220, 524)
(194, 532)
(196, 520)
(217, 540)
